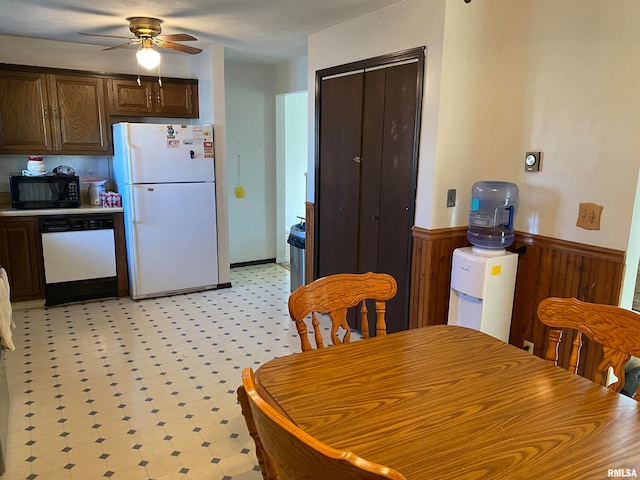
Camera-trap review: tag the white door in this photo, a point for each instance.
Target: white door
(173, 242)
(170, 153)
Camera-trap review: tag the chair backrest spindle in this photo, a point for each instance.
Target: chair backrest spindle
(334, 295)
(616, 329)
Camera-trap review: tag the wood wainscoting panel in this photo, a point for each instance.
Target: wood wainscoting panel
(431, 274)
(310, 218)
(546, 267)
(557, 268)
(122, 269)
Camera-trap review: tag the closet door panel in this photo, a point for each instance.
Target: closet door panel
(338, 174)
(371, 169)
(397, 185)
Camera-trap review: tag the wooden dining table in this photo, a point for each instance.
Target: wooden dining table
(448, 402)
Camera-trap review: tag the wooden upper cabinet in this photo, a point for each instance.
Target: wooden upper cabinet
(126, 97)
(25, 121)
(177, 99)
(171, 99)
(42, 113)
(80, 115)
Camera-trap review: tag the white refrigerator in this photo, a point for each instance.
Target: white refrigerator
(165, 174)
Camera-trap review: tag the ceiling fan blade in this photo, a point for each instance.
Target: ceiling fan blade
(137, 42)
(177, 46)
(177, 37)
(106, 36)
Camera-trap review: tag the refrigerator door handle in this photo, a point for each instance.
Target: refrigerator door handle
(132, 208)
(132, 149)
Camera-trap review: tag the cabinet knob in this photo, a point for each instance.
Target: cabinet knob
(357, 159)
(46, 112)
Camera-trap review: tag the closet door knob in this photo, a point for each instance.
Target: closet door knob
(357, 159)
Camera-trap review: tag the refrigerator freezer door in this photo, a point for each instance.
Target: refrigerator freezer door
(172, 238)
(164, 153)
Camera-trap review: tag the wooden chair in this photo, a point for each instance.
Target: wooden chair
(615, 328)
(267, 467)
(334, 295)
(298, 455)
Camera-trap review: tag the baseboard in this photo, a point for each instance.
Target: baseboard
(253, 262)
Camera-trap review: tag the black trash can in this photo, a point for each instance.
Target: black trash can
(296, 240)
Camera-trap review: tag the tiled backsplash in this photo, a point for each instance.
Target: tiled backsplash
(89, 167)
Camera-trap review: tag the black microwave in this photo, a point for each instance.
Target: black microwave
(47, 191)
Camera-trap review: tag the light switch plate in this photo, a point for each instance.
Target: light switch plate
(589, 216)
(451, 197)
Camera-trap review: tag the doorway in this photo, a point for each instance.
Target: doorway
(630, 297)
(291, 166)
(366, 169)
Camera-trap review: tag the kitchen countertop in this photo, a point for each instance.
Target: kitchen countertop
(6, 211)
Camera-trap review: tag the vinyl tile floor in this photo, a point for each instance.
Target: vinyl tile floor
(123, 389)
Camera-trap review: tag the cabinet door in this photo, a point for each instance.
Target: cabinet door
(176, 99)
(21, 256)
(127, 98)
(78, 104)
(25, 117)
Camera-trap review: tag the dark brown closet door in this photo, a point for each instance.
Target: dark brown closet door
(386, 189)
(339, 175)
(366, 176)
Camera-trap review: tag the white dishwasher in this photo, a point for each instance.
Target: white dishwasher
(79, 257)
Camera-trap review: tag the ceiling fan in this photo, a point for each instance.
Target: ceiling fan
(147, 34)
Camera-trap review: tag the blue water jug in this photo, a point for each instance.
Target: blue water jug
(491, 216)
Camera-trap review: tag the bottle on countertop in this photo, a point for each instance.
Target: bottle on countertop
(96, 189)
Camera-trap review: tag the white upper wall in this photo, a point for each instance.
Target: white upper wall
(291, 76)
(567, 84)
(504, 77)
(466, 103)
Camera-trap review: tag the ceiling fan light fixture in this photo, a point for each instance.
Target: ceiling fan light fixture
(147, 56)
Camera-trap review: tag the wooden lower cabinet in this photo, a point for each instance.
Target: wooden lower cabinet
(21, 256)
(121, 255)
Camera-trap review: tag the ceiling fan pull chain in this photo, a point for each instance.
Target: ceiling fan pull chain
(159, 81)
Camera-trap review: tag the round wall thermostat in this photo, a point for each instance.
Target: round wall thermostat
(532, 161)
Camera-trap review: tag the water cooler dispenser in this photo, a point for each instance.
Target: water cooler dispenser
(483, 276)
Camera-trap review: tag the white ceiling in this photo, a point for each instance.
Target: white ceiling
(258, 30)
